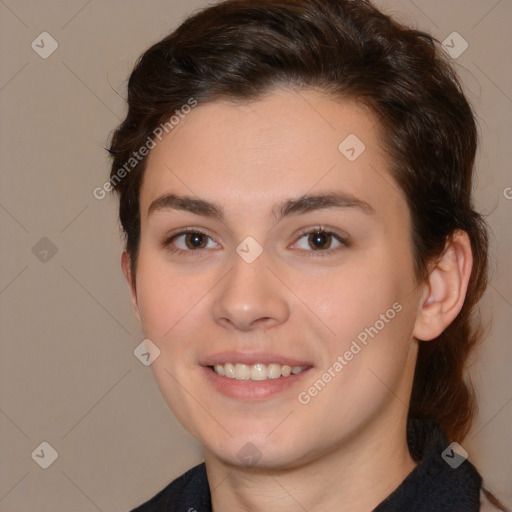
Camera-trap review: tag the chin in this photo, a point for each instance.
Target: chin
(257, 450)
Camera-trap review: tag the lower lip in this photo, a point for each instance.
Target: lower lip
(252, 389)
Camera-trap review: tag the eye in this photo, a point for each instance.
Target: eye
(189, 240)
(320, 240)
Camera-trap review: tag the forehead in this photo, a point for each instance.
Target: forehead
(249, 155)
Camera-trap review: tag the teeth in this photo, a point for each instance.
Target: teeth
(229, 370)
(273, 371)
(242, 372)
(256, 371)
(259, 372)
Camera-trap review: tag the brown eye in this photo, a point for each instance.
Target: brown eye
(196, 240)
(320, 240)
(189, 241)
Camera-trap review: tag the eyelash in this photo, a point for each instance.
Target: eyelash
(166, 243)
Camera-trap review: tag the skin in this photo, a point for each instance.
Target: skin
(346, 449)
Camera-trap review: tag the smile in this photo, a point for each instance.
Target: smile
(256, 372)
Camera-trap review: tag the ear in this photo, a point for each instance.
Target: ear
(126, 267)
(445, 288)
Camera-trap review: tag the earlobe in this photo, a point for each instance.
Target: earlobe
(445, 288)
(126, 268)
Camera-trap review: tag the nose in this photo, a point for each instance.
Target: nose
(250, 297)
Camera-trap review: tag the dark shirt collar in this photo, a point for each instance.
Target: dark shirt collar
(441, 482)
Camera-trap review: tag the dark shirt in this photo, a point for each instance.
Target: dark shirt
(433, 486)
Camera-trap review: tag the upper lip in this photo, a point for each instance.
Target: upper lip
(251, 358)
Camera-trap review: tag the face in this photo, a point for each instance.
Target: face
(265, 247)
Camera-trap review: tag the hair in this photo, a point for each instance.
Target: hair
(239, 50)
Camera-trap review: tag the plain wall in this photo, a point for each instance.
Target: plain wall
(68, 373)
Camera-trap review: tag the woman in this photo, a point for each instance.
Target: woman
(304, 258)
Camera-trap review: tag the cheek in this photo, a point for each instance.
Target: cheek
(355, 296)
(369, 361)
(370, 310)
(175, 308)
(164, 297)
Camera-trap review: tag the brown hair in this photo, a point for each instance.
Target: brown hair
(240, 49)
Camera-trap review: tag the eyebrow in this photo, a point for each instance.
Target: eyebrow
(303, 204)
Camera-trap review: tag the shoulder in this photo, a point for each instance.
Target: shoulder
(488, 503)
(189, 491)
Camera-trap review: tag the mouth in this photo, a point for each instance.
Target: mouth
(256, 372)
(254, 376)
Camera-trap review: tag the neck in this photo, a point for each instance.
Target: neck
(353, 477)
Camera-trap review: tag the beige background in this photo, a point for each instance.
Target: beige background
(68, 373)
